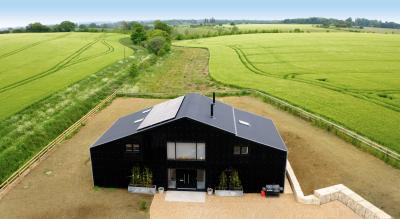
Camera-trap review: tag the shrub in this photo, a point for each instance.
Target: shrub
(235, 182)
(136, 176)
(158, 45)
(133, 70)
(223, 181)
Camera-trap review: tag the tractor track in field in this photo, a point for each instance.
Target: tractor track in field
(30, 46)
(72, 59)
(292, 77)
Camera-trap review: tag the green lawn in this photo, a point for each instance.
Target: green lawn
(33, 66)
(350, 78)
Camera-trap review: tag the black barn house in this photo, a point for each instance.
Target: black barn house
(187, 142)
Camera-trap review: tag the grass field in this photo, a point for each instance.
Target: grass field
(350, 78)
(33, 66)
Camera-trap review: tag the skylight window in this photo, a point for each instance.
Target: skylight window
(146, 111)
(244, 122)
(138, 120)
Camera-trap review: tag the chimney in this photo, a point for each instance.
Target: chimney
(212, 106)
(213, 97)
(212, 110)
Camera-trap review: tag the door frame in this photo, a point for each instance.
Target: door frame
(187, 172)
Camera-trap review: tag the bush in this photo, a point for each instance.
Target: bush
(223, 181)
(235, 182)
(133, 70)
(158, 45)
(142, 177)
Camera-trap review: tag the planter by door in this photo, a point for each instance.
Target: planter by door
(142, 190)
(229, 193)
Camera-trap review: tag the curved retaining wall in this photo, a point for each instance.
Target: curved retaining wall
(337, 192)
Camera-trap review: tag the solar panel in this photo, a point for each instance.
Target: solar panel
(162, 112)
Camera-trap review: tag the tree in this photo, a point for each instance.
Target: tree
(159, 25)
(158, 45)
(65, 26)
(138, 33)
(349, 22)
(37, 28)
(158, 32)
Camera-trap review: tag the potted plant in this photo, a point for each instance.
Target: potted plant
(161, 190)
(229, 186)
(209, 191)
(142, 181)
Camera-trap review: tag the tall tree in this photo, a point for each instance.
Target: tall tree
(37, 28)
(162, 26)
(65, 26)
(138, 33)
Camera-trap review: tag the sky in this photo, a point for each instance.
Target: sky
(22, 12)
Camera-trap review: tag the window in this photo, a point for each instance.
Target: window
(240, 150)
(186, 151)
(201, 179)
(171, 150)
(133, 148)
(172, 178)
(236, 150)
(244, 122)
(244, 150)
(201, 151)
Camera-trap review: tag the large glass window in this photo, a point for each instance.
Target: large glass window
(201, 151)
(171, 150)
(186, 151)
(201, 179)
(172, 178)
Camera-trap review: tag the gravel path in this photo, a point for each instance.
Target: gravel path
(248, 206)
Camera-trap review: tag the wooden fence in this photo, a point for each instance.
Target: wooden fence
(23, 170)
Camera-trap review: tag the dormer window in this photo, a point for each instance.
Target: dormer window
(132, 148)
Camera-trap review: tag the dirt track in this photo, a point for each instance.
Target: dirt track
(319, 159)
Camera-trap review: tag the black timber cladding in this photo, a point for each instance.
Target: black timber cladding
(197, 107)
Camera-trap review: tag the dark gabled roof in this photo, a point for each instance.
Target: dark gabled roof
(197, 107)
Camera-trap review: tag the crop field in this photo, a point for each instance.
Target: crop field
(350, 78)
(282, 27)
(33, 66)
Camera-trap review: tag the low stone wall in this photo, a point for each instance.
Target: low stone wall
(336, 193)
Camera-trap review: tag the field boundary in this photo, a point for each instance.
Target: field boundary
(42, 154)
